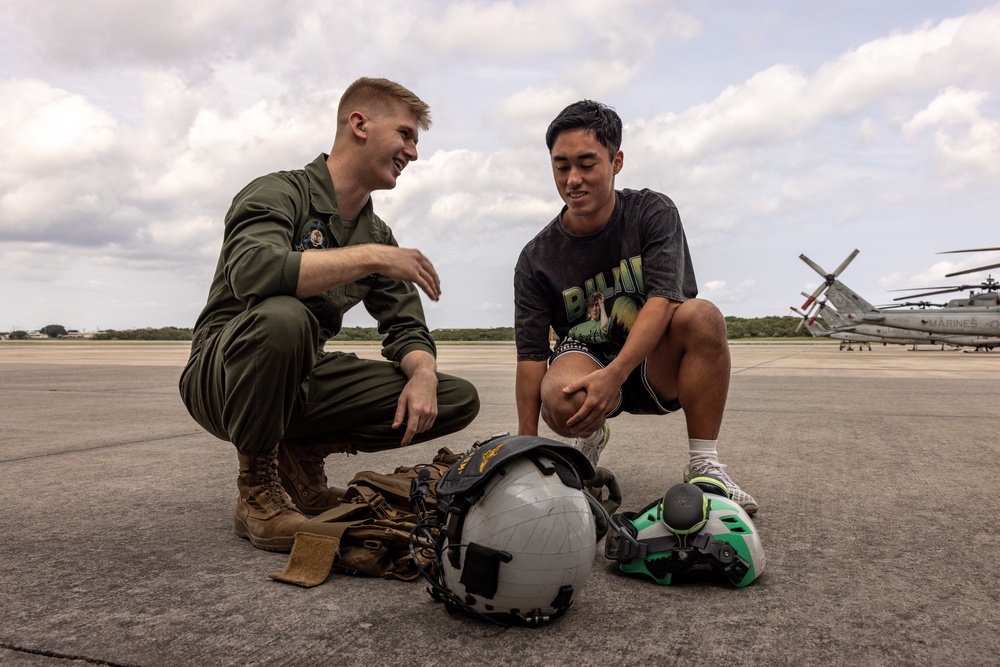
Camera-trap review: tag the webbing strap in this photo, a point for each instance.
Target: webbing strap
(375, 501)
(314, 550)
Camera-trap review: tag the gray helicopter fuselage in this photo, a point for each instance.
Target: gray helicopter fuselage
(974, 320)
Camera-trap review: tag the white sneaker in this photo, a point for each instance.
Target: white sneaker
(714, 473)
(592, 451)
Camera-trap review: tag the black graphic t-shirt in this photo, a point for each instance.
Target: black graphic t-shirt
(642, 252)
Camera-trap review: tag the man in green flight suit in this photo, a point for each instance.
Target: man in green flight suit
(300, 248)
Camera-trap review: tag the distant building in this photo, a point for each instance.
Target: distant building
(80, 334)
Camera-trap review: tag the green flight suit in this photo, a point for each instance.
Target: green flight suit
(258, 372)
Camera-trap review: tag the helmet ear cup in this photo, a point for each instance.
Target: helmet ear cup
(684, 509)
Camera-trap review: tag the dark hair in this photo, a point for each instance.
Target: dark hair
(599, 118)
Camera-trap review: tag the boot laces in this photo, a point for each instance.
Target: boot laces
(270, 483)
(312, 466)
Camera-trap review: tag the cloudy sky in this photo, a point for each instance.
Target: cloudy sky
(778, 128)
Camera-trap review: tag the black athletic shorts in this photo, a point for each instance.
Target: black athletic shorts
(635, 395)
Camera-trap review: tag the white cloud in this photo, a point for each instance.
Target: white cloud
(44, 128)
(950, 107)
(86, 33)
(464, 194)
(781, 102)
(516, 32)
(531, 108)
(967, 142)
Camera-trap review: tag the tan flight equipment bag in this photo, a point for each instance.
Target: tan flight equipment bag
(369, 532)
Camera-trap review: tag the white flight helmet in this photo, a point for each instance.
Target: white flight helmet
(518, 531)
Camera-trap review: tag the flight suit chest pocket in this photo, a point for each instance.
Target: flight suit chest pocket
(357, 291)
(330, 307)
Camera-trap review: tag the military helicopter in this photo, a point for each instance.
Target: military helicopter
(978, 316)
(848, 332)
(846, 338)
(841, 300)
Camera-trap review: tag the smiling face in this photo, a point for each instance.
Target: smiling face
(584, 172)
(391, 144)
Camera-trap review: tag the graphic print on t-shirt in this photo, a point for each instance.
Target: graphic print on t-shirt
(608, 333)
(626, 277)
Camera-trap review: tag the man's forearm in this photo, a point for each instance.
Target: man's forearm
(649, 328)
(323, 270)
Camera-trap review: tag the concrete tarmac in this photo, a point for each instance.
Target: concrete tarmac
(876, 472)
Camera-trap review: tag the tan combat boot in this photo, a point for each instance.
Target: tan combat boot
(264, 513)
(300, 467)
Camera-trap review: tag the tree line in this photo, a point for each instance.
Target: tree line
(736, 327)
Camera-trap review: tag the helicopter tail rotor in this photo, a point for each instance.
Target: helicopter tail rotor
(828, 278)
(808, 317)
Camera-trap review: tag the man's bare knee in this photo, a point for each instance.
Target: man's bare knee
(699, 320)
(557, 406)
(557, 409)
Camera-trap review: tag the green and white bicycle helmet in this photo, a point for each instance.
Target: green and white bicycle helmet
(687, 529)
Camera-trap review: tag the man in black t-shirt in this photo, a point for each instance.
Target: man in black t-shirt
(662, 350)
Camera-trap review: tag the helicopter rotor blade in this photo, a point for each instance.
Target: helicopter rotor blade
(951, 252)
(813, 313)
(941, 291)
(813, 265)
(800, 314)
(909, 304)
(812, 297)
(967, 271)
(988, 284)
(828, 278)
(807, 317)
(817, 305)
(843, 265)
(980, 268)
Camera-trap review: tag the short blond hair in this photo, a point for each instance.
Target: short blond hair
(374, 96)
